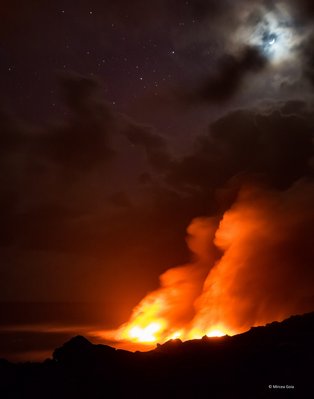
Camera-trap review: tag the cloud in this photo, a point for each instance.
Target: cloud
(45, 169)
(155, 145)
(66, 191)
(120, 199)
(64, 186)
(303, 9)
(81, 141)
(307, 54)
(260, 42)
(274, 145)
(84, 140)
(230, 72)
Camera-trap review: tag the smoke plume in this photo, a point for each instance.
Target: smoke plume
(251, 268)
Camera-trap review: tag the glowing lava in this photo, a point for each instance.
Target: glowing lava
(251, 281)
(215, 333)
(145, 334)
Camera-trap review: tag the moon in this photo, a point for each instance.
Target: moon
(274, 34)
(269, 39)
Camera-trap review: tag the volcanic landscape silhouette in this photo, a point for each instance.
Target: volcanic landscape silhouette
(249, 365)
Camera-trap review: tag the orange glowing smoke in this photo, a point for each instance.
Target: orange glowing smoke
(252, 282)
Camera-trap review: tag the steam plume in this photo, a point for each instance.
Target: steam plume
(264, 271)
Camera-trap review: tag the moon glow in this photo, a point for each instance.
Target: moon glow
(273, 32)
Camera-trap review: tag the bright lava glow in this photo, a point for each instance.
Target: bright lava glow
(176, 335)
(210, 297)
(215, 333)
(146, 334)
(153, 333)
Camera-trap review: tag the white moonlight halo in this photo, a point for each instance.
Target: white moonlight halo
(274, 34)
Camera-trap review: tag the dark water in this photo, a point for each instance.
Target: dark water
(31, 331)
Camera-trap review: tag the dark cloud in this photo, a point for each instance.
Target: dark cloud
(307, 52)
(304, 9)
(227, 27)
(303, 14)
(229, 75)
(155, 146)
(38, 195)
(84, 140)
(45, 169)
(276, 146)
(55, 174)
(61, 192)
(120, 199)
(145, 178)
(81, 141)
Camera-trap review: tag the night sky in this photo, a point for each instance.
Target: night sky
(122, 121)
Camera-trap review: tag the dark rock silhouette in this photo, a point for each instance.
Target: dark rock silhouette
(271, 361)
